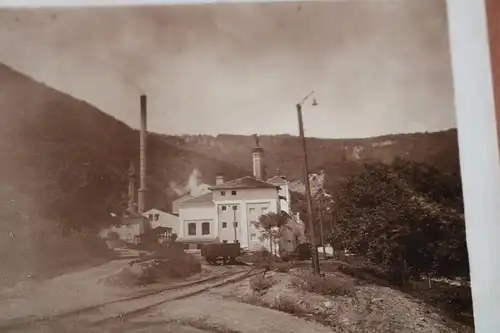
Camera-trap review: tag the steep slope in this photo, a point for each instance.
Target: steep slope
(74, 159)
(63, 163)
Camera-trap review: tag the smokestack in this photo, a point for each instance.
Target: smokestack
(132, 200)
(219, 179)
(143, 148)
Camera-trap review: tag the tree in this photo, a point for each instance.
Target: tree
(272, 225)
(80, 198)
(404, 218)
(323, 205)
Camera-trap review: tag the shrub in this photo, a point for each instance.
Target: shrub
(251, 299)
(262, 252)
(361, 271)
(287, 304)
(325, 285)
(286, 257)
(264, 259)
(260, 283)
(261, 255)
(168, 262)
(282, 267)
(112, 236)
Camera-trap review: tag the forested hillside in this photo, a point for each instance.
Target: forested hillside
(64, 163)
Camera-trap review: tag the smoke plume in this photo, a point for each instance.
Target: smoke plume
(193, 186)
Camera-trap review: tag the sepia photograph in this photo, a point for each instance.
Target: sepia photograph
(231, 168)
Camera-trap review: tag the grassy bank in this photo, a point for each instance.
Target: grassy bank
(40, 251)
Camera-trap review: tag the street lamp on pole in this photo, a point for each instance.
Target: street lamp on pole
(314, 252)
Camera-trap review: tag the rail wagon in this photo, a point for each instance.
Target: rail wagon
(227, 252)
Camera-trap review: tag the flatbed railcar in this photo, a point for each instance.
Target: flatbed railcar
(227, 252)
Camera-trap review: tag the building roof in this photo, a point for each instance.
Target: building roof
(133, 214)
(133, 219)
(205, 198)
(156, 210)
(244, 182)
(277, 180)
(183, 198)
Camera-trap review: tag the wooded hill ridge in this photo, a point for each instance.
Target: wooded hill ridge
(67, 161)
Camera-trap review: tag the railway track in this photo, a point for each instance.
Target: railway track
(125, 308)
(183, 293)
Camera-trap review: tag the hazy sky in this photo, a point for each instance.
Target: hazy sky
(377, 68)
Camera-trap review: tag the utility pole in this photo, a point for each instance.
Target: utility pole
(143, 187)
(314, 253)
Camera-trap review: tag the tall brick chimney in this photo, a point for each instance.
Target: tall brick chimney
(132, 194)
(143, 149)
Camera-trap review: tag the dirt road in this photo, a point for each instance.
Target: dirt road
(66, 292)
(80, 299)
(231, 316)
(165, 309)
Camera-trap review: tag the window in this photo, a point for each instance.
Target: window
(150, 217)
(191, 229)
(224, 225)
(205, 228)
(157, 217)
(263, 210)
(223, 193)
(235, 224)
(251, 210)
(235, 207)
(233, 192)
(223, 208)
